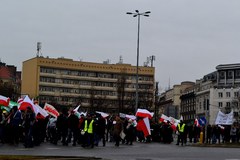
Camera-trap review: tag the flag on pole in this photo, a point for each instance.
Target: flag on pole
(76, 111)
(27, 102)
(51, 110)
(11, 104)
(144, 126)
(20, 100)
(164, 118)
(4, 101)
(196, 122)
(41, 111)
(181, 118)
(144, 113)
(104, 115)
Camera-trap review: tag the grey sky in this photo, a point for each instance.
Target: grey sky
(188, 37)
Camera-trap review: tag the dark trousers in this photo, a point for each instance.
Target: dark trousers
(181, 138)
(28, 137)
(117, 139)
(88, 140)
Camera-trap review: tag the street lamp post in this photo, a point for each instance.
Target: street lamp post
(138, 14)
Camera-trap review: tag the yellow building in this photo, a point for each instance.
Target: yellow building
(96, 86)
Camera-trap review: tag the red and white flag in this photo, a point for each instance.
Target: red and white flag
(104, 115)
(4, 101)
(27, 102)
(41, 111)
(144, 113)
(164, 118)
(196, 122)
(144, 126)
(51, 110)
(20, 100)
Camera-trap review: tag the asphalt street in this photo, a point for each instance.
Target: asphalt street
(137, 151)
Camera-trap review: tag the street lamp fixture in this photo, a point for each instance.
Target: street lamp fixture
(138, 14)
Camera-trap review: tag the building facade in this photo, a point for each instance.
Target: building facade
(219, 91)
(10, 81)
(188, 104)
(169, 102)
(96, 86)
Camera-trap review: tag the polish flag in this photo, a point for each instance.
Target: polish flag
(51, 110)
(4, 101)
(27, 102)
(144, 113)
(131, 117)
(43, 112)
(164, 118)
(20, 100)
(144, 126)
(104, 115)
(196, 122)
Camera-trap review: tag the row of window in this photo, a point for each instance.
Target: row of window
(60, 100)
(91, 83)
(92, 74)
(187, 108)
(228, 94)
(58, 90)
(229, 74)
(189, 117)
(228, 104)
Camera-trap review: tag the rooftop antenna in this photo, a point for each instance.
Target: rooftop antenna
(39, 48)
(120, 60)
(152, 58)
(145, 64)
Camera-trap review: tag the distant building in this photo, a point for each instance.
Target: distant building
(188, 104)
(228, 75)
(219, 90)
(169, 102)
(10, 81)
(96, 86)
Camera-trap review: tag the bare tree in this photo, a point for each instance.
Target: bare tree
(121, 82)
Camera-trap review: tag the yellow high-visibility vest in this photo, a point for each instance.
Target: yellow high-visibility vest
(88, 128)
(181, 128)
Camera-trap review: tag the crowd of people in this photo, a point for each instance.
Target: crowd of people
(67, 129)
(93, 130)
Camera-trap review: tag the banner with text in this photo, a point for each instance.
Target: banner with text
(224, 119)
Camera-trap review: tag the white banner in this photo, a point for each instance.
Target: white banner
(224, 119)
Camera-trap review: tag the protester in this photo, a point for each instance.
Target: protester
(28, 122)
(15, 124)
(209, 134)
(72, 128)
(180, 130)
(117, 129)
(100, 130)
(62, 127)
(89, 125)
(130, 132)
(233, 134)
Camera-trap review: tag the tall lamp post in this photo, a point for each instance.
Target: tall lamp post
(138, 15)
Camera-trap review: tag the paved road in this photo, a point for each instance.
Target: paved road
(138, 151)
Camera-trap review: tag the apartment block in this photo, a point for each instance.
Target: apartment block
(94, 86)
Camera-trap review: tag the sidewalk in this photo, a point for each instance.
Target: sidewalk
(222, 145)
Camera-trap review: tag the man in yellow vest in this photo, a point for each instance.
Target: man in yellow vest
(88, 138)
(180, 130)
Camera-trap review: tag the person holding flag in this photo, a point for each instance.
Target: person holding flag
(28, 122)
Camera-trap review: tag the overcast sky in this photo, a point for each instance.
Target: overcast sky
(189, 38)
